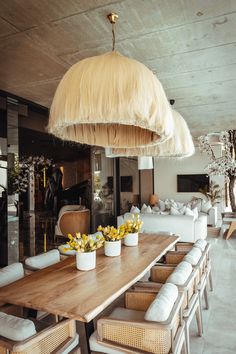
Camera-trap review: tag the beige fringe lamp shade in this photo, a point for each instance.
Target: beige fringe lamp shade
(180, 145)
(110, 101)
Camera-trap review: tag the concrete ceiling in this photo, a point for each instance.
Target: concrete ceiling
(191, 45)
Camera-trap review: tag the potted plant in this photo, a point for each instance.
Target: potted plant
(213, 194)
(85, 247)
(132, 228)
(112, 236)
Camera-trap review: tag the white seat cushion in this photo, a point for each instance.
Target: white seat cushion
(16, 328)
(11, 273)
(181, 274)
(65, 249)
(161, 307)
(43, 260)
(201, 244)
(119, 313)
(193, 256)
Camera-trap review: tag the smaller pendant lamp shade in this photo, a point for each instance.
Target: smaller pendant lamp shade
(110, 101)
(180, 145)
(145, 163)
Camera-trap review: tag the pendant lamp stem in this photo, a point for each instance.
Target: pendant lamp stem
(112, 17)
(113, 37)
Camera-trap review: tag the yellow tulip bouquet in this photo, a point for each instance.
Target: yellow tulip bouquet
(84, 243)
(134, 225)
(110, 233)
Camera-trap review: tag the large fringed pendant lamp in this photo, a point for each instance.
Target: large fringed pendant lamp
(180, 145)
(111, 101)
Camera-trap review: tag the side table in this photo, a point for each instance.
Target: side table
(230, 219)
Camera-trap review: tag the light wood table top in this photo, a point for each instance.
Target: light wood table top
(63, 290)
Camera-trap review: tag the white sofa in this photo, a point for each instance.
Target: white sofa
(211, 216)
(184, 226)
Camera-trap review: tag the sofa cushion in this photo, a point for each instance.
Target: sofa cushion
(180, 274)
(174, 211)
(16, 328)
(43, 260)
(193, 256)
(134, 210)
(197, 203)
(161, 307)
(206, 206)
(11, 273)
(193, 212)
(162, 205)
(144, 207)
(201, 244)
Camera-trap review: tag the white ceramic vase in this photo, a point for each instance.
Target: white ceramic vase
(86, 260)
(131, 239)
(112, 248)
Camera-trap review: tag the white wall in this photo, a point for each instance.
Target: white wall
(166, 171)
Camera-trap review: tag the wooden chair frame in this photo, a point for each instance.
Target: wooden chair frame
(41, 339)
(175, 331)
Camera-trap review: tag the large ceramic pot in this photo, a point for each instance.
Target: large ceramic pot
(112, 248)
(86, 260)
(131, 239)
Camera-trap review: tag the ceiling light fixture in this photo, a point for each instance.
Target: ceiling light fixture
(180, 145)
(112, 101)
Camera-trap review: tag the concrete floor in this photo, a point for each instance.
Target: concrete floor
(220, 320)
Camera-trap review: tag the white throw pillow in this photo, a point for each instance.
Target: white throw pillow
(168, 203)
(196, 203)
(161, 307)
(206, 206)
(162, 205)
(43, 260)
(201, 244)
(180, 274)
(193, 256)
(179, 205)
(195, 211)
(11, 273)
(134, 210)
(189, 212)
(174, 211)
(143, 209)
(182, 210)
(148, 210)
(16, 328)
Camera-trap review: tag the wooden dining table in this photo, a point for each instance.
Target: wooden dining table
(63, 290)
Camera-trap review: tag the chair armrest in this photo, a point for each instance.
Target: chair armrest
(148, 286)
(140, 336)
(160, 273)
(59, 330)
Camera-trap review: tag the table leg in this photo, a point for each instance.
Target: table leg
(232, 228)
(85, 330)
